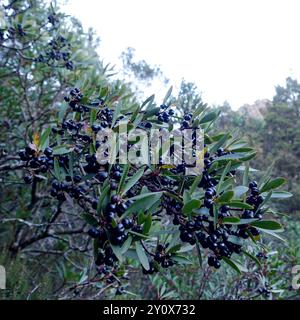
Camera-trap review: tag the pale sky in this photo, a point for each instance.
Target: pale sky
(234, 50)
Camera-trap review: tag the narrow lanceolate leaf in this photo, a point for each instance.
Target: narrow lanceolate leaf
(232, 264)
(133, 180)
(117, 251)
(219, 143)
(280, 195)
(236, 220)
(209, 117)
(199, 253)
(147, 224)
(140, 251)
(195, 184)
(103, 196)
(239, 191)
(231, 220)
(225, 197)
(144, 202)
(44, 141)
(90, 219)
(167, 96)
(246, 175)
(57, 170)
(239, 204)
(225, 171)
(36, 139)
(267, 225)
(274, 234)
(93, 116)
(148, 100)
(216, 215)
(252, 257)
(126, 245)
(181, 259)
(237, 156)
(191, 205)
(124, 176)
(273, 184)
(117, 112)
(61, 150)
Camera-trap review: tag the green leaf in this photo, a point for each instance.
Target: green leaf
(225, 197)
(195, 184)
(231, 220)
(186, 196)
(118, 252)
(124, 176)
(174, 249)
(216, 215)
(243, 169)
(267, 225)
(209, 117)
(236, 240)
(266, 199)
(57, 171)
(239, 204)
(190, 206)
(232, 264)
(225, 171)
(126, 245)
(198, 110)
(117, 112)
(167, 96)
(61, 150)
(102, 198)
(236, 156)
(252, 257)
(89, 219)
(274, 234)
(280, 195)
(148, 100)
(273, 184)
(44, 141)
(186, 248)
(151, 112)
(133, 180)
(144, 202)
(199, 253)
(181, 259)
(236, 220)
(147, 224)
(93, 116)
(219, 143)
(239, 191)
(142, 255)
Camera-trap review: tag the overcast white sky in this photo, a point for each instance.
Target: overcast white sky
(234, 50)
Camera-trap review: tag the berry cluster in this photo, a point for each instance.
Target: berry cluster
(58, 51)
(162, 257)
(201, 227)
(186, 122)
(163, 115)
(52, 19)
(36, 161)
(112, 224)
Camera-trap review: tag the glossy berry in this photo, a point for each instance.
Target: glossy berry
(102, 176)
(94, 233)
(28, 179)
